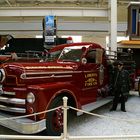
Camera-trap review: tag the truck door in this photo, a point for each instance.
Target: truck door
(90, 76)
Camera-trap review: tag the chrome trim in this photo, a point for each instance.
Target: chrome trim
(60, 76)
(24, 125)
(24, 75)
(9, 93)
(12, 109)
(3, 74)
(60, 72)
(12, 100)
(20, 89)
(1, 91)
(51, 76)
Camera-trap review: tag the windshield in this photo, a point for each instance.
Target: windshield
(71, 54)
(53, 56)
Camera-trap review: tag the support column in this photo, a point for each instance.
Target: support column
(113, 24)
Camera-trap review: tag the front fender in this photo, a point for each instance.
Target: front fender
(46, 93)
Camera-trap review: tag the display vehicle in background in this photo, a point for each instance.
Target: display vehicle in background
(19, 49)
(23, 49)
(131, 51)
(80, 71)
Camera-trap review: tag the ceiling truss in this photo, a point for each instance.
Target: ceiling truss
(32, 3)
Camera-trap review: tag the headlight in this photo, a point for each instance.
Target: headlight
(2, 75)
(30, 98)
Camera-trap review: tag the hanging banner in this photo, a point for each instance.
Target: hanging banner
(49, 29)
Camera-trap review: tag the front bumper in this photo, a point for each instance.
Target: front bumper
(22, 125)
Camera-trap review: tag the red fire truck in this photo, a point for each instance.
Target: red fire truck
(79, 71)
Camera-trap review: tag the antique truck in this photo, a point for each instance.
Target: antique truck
(131, 49)
(79, 71)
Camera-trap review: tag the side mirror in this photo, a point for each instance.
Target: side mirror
(84, 60)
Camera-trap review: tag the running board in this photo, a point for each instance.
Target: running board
(92, 106)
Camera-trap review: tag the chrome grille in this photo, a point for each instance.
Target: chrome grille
(12, 109)
(12, 100)
(9, 103)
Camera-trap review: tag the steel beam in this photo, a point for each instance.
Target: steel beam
(57, 11)
(61, 26)
(7, 1)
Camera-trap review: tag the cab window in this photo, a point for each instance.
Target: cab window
(91, 56)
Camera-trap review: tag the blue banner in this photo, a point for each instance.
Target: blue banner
(49, 24)
(49, 29)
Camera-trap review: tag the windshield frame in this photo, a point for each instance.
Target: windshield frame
(53, 56)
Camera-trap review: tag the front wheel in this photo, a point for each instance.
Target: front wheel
(54, 121)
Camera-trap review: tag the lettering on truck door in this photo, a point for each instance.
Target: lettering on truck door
(90, 78)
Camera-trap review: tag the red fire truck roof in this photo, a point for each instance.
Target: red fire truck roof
(60, 47)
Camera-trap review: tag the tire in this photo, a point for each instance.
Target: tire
(54, 120)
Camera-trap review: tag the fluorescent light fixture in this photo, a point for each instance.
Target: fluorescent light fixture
(39, 36)
(74, 38)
